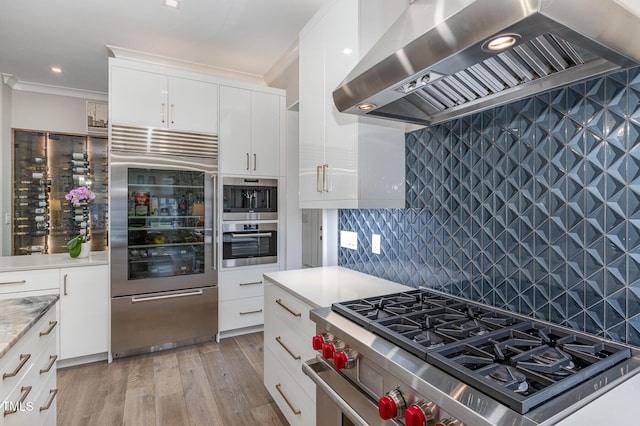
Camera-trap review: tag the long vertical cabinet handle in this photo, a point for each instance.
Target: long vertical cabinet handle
(66, 279)
(163, 115)
(325, 167)
(172, 114)
(247, 161)
(318, 187)
(214, 231)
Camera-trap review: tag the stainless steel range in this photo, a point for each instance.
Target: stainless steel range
(426, 358)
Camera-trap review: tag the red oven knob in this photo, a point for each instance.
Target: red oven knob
(391, 405)
(328, 349)
(343, 359)
(317, 341)
(419, 413)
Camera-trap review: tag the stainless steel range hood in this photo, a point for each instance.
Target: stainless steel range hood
(435, 64)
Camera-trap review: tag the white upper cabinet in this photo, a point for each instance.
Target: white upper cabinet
(346, 161)
(153, 99)
(249, 132)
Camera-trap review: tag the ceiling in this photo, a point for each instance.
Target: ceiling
(243, 36)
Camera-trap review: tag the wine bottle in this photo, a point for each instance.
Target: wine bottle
(32, 249)
(77, 163)
(39, 160)
(41, 218)
(79, 156)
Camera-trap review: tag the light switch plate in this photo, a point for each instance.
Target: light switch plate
(349, 240)
(375, 243)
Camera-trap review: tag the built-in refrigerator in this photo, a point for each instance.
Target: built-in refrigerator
(163, 239)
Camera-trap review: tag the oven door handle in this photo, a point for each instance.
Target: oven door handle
(310, 368)
(252, 235)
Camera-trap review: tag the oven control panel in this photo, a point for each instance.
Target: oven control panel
(395, 401)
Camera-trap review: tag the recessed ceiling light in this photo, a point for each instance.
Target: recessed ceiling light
(172, 3)
(347, 51)
(56, 70)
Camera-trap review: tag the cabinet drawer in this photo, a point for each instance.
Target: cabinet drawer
(298, 407)
(45, 402)
(241, 313)
(291, 347)
(289, 308)
(18, 407)
(41, 279)
(241, 284)
(17, 362)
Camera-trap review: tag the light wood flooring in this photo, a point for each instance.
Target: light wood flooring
(206, 384)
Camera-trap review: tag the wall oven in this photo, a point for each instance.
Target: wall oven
(249, 199)
(246, 244)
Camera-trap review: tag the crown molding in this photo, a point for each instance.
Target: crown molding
(26, 86)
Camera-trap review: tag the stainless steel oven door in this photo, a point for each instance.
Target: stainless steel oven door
(249, 244)
(338, 400)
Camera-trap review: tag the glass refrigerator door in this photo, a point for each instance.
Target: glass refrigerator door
(166, 223)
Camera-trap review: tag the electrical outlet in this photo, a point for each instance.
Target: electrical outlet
(349, 240)
(7, 218)
(375, 243)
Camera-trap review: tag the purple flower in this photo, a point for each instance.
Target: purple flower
(82, 193)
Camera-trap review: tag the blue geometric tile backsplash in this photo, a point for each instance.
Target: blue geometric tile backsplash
(533, 207)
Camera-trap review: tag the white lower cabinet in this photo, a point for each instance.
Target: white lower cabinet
(28, 391)
(241, 300)
(287, 341)
(84, 311)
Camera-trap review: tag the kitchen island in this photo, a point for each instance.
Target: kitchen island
(288, 331)
(28, 355)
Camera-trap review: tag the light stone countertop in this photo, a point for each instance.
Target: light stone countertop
(320, 287)
(18, 315)
(50, 261)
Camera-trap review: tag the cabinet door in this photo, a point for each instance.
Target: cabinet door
(265, 134)
(84, 311)
(193, 105)
(235, 130)
(341, 140)
(312, 110)
(138, 97)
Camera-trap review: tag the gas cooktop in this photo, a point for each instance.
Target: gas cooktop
(518, 361)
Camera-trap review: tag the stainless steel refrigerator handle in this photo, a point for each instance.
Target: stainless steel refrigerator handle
(214, 232)
(333, 395)
(252, 234)
(135, 299)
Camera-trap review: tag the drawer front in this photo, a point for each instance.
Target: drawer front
(290, 309)
(46, 401)
(41, 279)
(291, 347)
(241, 313)
(19, 407)
(17, 362)
(241, 284)
(296, 405)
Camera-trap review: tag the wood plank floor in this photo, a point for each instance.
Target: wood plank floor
(206, 384)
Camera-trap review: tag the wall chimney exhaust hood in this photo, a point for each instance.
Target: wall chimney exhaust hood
(447, 58)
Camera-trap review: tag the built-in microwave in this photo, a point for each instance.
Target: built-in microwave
(249, 244)
(249, 199)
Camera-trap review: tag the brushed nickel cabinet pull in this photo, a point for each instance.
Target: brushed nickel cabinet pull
(66, 279)
(325, 167)
(52, 396)
(295, 411)
(318, 187)
(255, 161)
(163, 115)
(288, 309)
(279, 340)
(25, 390)
(13, 282)
(247, 161)
(52, 325)
(172, 114)
(23, 360)
(52, 360)
(251, 283)
(251, 312)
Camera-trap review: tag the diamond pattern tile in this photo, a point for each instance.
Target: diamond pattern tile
(533, 207)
